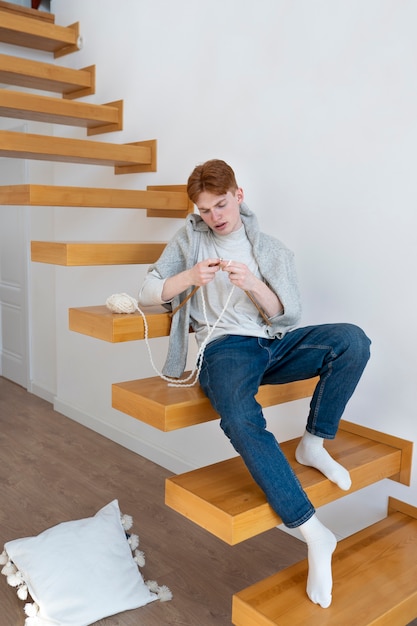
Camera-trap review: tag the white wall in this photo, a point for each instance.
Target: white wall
(313, 104)
(37, 223)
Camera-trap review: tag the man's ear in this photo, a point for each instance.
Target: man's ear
(239, 194)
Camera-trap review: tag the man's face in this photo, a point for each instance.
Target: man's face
(221, 213)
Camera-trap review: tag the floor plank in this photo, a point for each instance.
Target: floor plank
(53, 469)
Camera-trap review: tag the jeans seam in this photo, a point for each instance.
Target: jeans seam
(322, 383)
(320, 390)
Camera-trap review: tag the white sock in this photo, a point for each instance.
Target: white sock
(310, 451)
(321, 544)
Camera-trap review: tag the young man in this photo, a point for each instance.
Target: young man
(247, 290)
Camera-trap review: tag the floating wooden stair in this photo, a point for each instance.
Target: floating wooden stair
(28, 31)
(224, 499)
(18, 9)
(78, 253)
(126, 158)
(100, 323)
(69, 82)
(158, 212)
(97, 118)
(374, 574)
(152, 401)
(160, 201)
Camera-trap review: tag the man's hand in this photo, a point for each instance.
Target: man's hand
(239, 274)
(265, 300)
(203, 272)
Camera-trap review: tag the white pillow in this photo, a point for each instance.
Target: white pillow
(79, 571)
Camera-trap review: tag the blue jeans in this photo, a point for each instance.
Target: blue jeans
(235, 366)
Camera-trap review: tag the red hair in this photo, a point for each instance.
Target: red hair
(214, 176)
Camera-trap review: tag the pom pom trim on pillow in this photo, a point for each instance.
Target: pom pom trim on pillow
(46, 609)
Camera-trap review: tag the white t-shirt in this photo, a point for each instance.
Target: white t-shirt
(241, 316)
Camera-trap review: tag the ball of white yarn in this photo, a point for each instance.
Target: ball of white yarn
(121, 303)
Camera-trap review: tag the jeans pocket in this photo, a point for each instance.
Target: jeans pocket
(216, 342)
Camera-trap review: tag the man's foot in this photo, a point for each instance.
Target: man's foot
(321, 544)
(310, 451)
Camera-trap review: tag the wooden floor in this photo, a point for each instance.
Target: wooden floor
(53, 469)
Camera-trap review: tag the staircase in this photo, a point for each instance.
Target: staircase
(375, 569)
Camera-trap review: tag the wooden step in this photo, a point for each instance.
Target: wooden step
(159, 212)
(163, 201)
(78, 253)
(69, 82)
(97, 118)
(224, 499)
(152, 401)
(22, 30)
(374, 582)
(18, 9)
(126, 158)
(100, 323)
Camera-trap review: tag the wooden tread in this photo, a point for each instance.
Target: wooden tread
(374, 582)
(224, 499)
(99, 322)
(97, 118)
(152, 401)
(69, 82)
(18, 9)
(126, 158)
(162, 201)
(22, 30)
(78, 253)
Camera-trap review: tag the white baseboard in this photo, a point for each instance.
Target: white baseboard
(41, 392)
(148, 450)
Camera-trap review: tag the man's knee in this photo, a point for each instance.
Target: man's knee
(358, 343)
(239, 423)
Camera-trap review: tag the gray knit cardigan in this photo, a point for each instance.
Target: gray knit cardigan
(276, 264)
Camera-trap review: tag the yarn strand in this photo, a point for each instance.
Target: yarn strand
(124, 303)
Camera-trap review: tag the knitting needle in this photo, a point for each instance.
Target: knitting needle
(264, 317)
(190, 295)
(250, 296)
(181, 304)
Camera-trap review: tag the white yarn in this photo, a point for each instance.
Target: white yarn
(124, 303)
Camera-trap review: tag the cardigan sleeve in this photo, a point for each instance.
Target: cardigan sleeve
(172, 261)
(151, 291)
